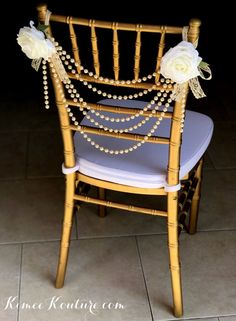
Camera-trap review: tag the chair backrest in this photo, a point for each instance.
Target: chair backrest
(85, 38)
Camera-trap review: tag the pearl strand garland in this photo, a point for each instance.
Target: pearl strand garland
(98, 146)
(73, 92)
(126, 130)
(45, 84)
(101, 126)
(109, 95)
(76, 96)
(107, 150)
(183, 111)
(67, 59)
(69, 86)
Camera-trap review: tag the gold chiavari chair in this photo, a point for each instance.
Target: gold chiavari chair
(160, 151)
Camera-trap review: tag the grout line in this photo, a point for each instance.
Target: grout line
(111, 236)
(19, 288)
(144, 279)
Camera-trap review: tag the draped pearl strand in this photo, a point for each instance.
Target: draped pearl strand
(83, 106)
(74, 95)
(67, 60)
(89, 139)
(45, 84)
(157, 101)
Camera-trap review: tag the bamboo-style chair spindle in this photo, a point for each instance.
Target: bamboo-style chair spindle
(74, 42)
(115, 43)
(160, 53)
(137, 56)
(95, 48)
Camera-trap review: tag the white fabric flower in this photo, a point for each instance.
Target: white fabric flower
(34, 44)
(180, 63)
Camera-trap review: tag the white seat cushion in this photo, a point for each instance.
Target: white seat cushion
(146, 166)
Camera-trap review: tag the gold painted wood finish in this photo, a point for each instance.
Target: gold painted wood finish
(75, 195)
(119, 187)
(142, 85)
(66, 230)
(109, 25)
(160, 53)
(75, 47)
(120, 110)
(173, 244)
(134, 137)
(116, 66)
(94, 42)
(131, 208)
(137, 53)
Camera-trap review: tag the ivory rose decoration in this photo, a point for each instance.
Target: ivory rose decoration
(180, 63)
(34, 44)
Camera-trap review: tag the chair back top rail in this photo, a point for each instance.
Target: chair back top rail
(116, 25)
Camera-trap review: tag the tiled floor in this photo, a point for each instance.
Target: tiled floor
(122, 259)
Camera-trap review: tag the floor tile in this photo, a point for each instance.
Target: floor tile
(217, 207)
(31, 210)
(13, 147)
(119, 222)
(25, 115)
(41, 118)
(95, 274)
(14, 116)
(10, 258)
(221, 149)
(208, 274)
(45, 155)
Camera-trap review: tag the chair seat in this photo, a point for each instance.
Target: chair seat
(145, 167)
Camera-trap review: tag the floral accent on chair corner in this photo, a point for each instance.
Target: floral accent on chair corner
(34, 44)
(182, 64)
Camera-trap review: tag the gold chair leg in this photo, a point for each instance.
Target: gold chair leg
(102, 210)
(173, 244)
(193, 218)
(66, 230)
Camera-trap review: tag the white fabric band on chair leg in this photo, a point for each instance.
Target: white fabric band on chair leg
(69, 170)
(172, 188)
